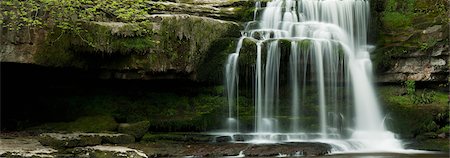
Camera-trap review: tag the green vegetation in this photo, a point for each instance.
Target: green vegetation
(69, 14)
(400, 25)
(137, 130)
(415, 113)
(189, 109)
(430, 145)
(398, 14)
(395, 20)
(83, 124)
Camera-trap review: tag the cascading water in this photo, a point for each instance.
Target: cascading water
(330, 97)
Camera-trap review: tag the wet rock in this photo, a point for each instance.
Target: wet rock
(148, 137)
(108, 151)
(68, 140)
(137, 130)
(24, 147)
(117, 138)
(71, 140)
(291, 149)
(242, 137)
(222, 139)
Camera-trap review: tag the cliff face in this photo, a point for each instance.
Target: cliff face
(173, 40)
(412, 40)
(191, 39)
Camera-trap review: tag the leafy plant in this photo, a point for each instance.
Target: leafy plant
(424, 97)
(410, 87)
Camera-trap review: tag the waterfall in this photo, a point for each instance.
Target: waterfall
(320, 86)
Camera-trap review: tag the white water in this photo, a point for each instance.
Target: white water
(327, 63)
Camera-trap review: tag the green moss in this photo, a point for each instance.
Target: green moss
(139, 45)
(116, 38)
(246, 13)
(247, 54)
(431, 145)
(410, 119)
(401, 25)
(212, 68)
(445, 129)
(137, 130)
(383, 58)
(55, 51)
(396, 20)
(83, 124)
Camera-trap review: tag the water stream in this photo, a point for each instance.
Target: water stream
(328, 83)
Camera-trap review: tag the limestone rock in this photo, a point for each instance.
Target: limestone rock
(71, 140)
(137, 129)
(24, 147)
(432, 29)
(108, 151)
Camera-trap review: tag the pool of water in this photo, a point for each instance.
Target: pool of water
(388, 155)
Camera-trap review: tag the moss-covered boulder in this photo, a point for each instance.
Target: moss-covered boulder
(137, 129)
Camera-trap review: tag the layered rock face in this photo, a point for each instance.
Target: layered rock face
(412, 41)
(171, 40)
(190, 39)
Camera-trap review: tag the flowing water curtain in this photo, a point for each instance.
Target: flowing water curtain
(327, 53)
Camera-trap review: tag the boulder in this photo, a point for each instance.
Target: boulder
(137, 130)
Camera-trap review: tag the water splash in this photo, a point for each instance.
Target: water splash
(327, 61)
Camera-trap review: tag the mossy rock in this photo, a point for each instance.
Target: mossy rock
(430, 145)
(414, 120)
(137, 129)
(117, 139)
(177, 137)
(68, 140)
